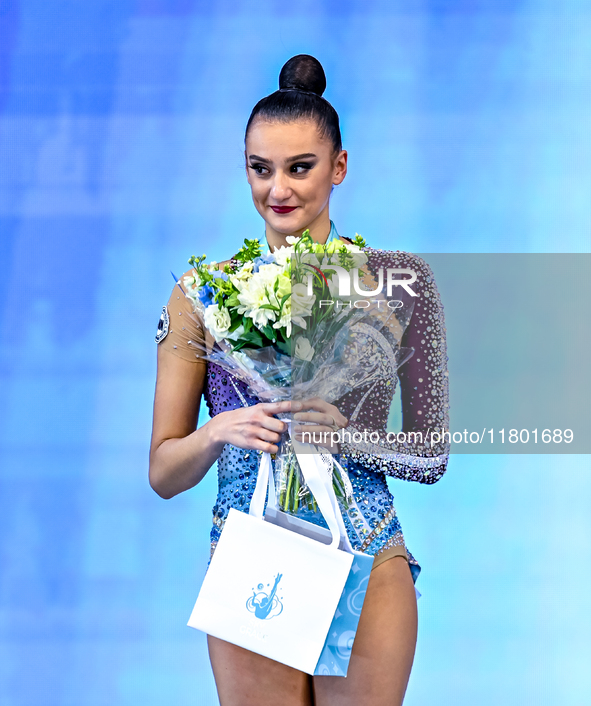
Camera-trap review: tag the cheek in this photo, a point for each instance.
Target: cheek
(258, 189)
(319, 188)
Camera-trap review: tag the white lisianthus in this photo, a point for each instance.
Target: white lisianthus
(301, 301)
(292, 239)
(218, 321)
(303, 349)
(237, 334)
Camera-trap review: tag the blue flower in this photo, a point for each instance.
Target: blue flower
(266, 259)
(216, 274)
(205, 294)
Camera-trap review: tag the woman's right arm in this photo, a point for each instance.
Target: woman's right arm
(180, 454)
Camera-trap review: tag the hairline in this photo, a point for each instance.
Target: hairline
(286, 120)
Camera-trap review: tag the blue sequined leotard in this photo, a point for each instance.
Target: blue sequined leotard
(372, 522)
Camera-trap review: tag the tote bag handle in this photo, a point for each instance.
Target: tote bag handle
(317, 480)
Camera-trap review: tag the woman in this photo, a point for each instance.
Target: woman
(293, 159)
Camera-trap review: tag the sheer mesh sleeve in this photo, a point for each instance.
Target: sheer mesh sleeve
(181, 330)
(420, 452)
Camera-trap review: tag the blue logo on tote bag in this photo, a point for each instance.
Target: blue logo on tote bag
(265, 605)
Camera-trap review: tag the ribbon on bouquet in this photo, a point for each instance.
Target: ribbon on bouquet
(316, 469)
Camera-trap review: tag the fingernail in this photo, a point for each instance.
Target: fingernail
(296, 405)
(297, 416)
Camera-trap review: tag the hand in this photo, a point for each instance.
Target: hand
(253, 427)
(319, 424)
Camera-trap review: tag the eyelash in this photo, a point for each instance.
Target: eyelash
(256, 167)
(305, 165)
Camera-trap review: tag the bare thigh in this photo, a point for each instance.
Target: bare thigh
(244, 678)
(381, 659)
(384, 647)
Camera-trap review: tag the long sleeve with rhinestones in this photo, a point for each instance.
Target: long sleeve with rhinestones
(420, 452)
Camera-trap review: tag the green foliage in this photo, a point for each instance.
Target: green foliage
(251, 249)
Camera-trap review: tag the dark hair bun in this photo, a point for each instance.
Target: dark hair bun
(303, 72)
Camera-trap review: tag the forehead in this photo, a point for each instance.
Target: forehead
(278, 140)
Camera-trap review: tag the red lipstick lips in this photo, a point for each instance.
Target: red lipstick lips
(283, 209)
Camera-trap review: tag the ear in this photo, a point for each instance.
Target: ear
(246, 167)
(340, 167)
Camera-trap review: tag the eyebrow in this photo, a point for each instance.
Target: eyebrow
(306, 155)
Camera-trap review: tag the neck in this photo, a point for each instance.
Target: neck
(319, 232)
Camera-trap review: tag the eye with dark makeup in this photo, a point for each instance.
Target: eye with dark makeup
(304, 166)
(297, 168)
(258, 168)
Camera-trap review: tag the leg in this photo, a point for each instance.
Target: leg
(244, 678)
(384, 647)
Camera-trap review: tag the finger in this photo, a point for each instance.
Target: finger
(325, 407)
(272, 423)
(314, 403)
(264, 434)
(310, 417)
(283, 406)
(340, 419)
(265, 446)
(328, 419)
(316, 435)
(314, 429)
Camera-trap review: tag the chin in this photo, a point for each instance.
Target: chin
(287, 225)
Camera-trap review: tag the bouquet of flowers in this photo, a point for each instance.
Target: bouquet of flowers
(283, 326)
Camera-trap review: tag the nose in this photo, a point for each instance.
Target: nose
(281, 190)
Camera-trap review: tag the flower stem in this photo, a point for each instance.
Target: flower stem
(287, 491)
(296, 498)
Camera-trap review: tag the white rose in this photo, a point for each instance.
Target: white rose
(303, 349)
(237, 334)
(218, 321)
(301, 301)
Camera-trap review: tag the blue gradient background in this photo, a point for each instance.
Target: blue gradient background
(121, 126)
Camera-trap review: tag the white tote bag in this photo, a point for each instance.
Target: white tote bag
(271, 589)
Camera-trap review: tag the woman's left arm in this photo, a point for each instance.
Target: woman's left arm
(420, 452)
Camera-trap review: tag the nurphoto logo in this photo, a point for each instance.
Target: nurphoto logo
(344, 277)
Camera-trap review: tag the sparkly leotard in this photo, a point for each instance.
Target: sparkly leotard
(372, 522)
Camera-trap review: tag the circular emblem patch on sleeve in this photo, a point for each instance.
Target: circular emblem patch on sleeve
(162, 325)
